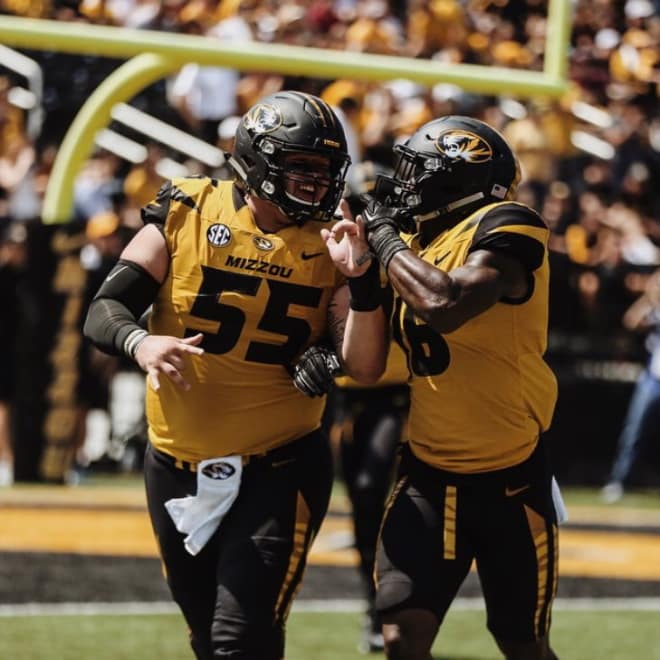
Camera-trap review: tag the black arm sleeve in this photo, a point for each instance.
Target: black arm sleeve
(112, 318)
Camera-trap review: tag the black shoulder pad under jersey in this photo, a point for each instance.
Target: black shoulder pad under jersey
(514, 229)
(156, 211)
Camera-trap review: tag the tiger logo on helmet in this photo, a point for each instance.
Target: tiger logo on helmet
(456, 144)
(263, 119)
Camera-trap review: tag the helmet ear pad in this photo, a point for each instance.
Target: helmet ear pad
(254, 165)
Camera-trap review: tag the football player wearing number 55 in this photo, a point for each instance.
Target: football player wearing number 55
(237, 472)
(469, 268)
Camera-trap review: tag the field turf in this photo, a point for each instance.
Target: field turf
(50, 561)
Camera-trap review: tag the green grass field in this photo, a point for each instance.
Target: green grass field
(577, 635)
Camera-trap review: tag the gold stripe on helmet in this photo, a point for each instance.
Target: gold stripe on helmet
(330, 113)
(319, 108)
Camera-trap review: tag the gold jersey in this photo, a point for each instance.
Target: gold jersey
(259, 299)
(482, 394)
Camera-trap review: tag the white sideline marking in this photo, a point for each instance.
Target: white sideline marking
(86, 609)
(329, 605)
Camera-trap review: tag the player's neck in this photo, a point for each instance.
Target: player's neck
(267, 216)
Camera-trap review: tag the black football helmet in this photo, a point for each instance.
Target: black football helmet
(449, 167)
(291, 123)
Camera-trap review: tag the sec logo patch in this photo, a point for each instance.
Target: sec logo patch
(218, 235)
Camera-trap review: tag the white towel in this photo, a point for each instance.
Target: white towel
(558, 501)
(198, 516)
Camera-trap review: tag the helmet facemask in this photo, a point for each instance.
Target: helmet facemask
(325, 180)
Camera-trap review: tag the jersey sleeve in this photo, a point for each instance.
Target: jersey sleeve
(178, 194)
(514, 229)
(156, 211)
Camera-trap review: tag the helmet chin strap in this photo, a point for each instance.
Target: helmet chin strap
(452, 206)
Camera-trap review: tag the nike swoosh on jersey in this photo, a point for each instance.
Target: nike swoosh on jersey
(113, 275)
(510, 492)
(437, 260)
(306, 256)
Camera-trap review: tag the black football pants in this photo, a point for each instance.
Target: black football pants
(236, 593)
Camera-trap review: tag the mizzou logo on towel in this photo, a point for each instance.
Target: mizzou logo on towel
(219, 470)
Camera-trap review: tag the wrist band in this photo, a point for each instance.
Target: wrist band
(386, 242)
(133, 340)
(365, 289)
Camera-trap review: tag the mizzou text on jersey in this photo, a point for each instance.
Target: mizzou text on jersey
(259, 299)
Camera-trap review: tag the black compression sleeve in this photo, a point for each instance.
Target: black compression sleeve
(386, 242)
(111, 322)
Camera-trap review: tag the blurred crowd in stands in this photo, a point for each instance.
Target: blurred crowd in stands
(590, 160)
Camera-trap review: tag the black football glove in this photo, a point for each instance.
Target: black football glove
(381, 211)
(383, 224)
(315, 371)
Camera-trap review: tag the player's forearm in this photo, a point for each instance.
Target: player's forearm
(360, 338)
(429, 292)
(112, 319)
(365, 344)
(445, 300)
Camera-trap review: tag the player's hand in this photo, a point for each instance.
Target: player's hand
(315, 371)
(164, 355)
(348, 247)
(343, 211)
(377, 215)
(383, 225)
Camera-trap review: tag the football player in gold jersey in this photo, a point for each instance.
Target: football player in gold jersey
(470, 275)
(241, 277)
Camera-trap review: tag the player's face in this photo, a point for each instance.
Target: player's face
(307, 177)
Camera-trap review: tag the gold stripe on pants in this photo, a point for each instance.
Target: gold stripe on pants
(388, 505)
(545, 572)
(449, 530)
(301, 542)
